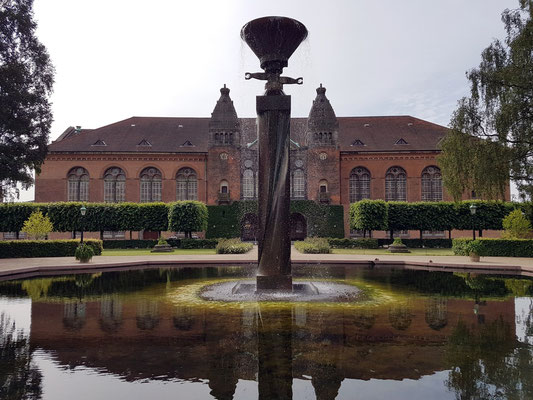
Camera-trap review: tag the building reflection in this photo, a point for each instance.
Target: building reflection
(274, 345)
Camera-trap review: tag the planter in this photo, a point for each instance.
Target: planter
(398, 248)
(474, 257)
(85, 260)
(162, 248)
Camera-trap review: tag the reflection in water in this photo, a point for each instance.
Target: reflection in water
(101, 325)
(19, 377)
(110, 314)
(437, 312)
(74, 315)
(147, 315)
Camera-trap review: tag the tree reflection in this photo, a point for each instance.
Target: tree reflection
(488, 363)
(19, 377)
(400, 317)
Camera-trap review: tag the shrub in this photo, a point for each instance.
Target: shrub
(516, 225)
(187, 216)
(37, 225)
(313, 245)
(45, 248)
(369, 215)
(494, 247)
(363, 243)
(162, 242)
(84, 252)
(199, 243)
(233, 246)
(397, 242)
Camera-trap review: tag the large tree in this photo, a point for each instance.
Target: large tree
(491, 135)
(26, 79)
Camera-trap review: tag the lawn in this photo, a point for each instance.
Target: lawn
(146, 252)
(413, 252)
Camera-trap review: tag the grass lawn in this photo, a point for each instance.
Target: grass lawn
(146, 252)
(413, 252)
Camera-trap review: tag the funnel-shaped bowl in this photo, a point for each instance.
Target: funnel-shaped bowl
(273, 40)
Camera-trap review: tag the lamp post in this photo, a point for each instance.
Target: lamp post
(473, 209)
(83, 210)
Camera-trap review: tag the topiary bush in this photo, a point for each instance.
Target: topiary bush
(369, 215)
(516, 226)
(313, 245)
(233, 246)
(45, 248)
(187, 216)
(494, 247)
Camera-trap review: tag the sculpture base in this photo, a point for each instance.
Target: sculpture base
(274, 282)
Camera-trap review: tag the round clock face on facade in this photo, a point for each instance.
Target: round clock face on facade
(322, 156)
(299, 163)
(248, 163)
(223, 156)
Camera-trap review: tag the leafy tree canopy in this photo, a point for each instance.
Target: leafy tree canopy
(38, 225)
(491, 135)
(26, 79)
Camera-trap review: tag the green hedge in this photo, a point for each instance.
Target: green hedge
(45, 248)
(433, 216)
(322, 219)
(187, 216)
(494, 247)
(364, 243)
(417, 243)
(198, 243)
(369, 215)
(233, 246)
(313, 245)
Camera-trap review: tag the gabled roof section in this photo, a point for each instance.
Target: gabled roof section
(224, 117)
(141, 134)
(382, 133)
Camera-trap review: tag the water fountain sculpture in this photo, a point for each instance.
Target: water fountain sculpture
(274, 40)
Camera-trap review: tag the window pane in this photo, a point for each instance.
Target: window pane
(248, 184)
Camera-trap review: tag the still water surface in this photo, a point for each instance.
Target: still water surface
(146, 334)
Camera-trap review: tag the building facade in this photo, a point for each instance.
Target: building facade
(334, 160)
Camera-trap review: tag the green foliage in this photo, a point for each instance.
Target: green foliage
(162, 242)
(516, 226)
(45, 248)
(494, 247)
(322, 219)
(313, 245)
(199, 243)
(84, 252)
(397, 242)
(369, 215)
(491, 139)
(233, 246)
(417, 243)
(26, 80)
(364, 243)
(132, 244)
(187, 216)
(37, 225)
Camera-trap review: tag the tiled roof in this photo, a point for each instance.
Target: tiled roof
(190, 135)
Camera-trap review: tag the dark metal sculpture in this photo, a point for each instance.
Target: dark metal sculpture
(273, 40)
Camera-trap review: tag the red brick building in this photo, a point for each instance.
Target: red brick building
(335, 160)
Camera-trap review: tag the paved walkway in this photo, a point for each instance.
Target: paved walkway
(22, 267)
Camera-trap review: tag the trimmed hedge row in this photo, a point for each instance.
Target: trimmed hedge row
(148, 244)
(494, 247)
(417, 243)
(233, 246)
(322, 219)
(364, 243)
(313, 245)
(198, 243)
(433, 216)
(180, 216)
(45, 248)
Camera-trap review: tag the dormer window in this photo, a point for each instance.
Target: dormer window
(357, 142)
(144, 142)
(401, 141)
(99, 142)
(187, 143)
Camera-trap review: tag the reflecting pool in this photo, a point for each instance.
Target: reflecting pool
(147, 334)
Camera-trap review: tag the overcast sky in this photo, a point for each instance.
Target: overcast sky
(120, 58)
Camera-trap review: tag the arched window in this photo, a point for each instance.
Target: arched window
(150, 185)
(186, 184)
(396, 184)
(224, 187)
(298, 184)
(114, 185)
(359, 184)
(78, 184)
(323, 186)
(431, 184)
(248, 183)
